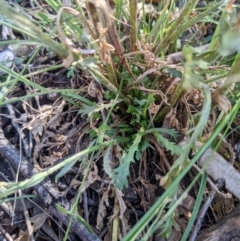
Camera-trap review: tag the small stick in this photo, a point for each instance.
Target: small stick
(27, 219)
(85, 206)
(19, 131)
(207, 203)
(6, 235)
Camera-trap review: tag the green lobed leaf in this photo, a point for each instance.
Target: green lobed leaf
(120, 173)
(90, 110)
(168, 145)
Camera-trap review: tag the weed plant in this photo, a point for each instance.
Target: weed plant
(133, 89)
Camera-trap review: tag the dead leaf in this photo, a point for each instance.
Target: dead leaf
(38, 220)
(154, 108)
(75, 183)
(102, 209)
(150, 191)
(221, 101)
(49, 161)
(56, 116)
(108, 236)
(23, 236)
(188, 202)
(92, 176)
(104, 48)
(123, 208)
(174, 123)
(228, 205)
(35, 126)
(94, 89)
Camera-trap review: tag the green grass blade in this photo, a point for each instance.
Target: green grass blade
(196, 207)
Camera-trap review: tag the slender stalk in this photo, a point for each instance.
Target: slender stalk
(115, 220)
(178, 93)
(133, 23)
(112, 74)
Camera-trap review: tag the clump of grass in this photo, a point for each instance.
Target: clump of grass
(128, 86)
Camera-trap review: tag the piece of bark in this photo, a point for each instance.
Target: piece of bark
(217, 167)
(226, 230)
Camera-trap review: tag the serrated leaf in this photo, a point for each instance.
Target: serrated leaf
(121, 172)
(132, 110)
(90, 110)
(142, 147)
(173, 133)
(140, 102)
(168, 145)
(138, 155)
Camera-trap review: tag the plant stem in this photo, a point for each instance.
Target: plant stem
(133, 23)
(115, 220)
(178, 93)
(112, 74)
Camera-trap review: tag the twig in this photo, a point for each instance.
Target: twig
(22, 136)
(85, 206)
(6, 235)
(27, 219)
(115, 219)
(219, 184)
(213, 185)
(8, 209)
